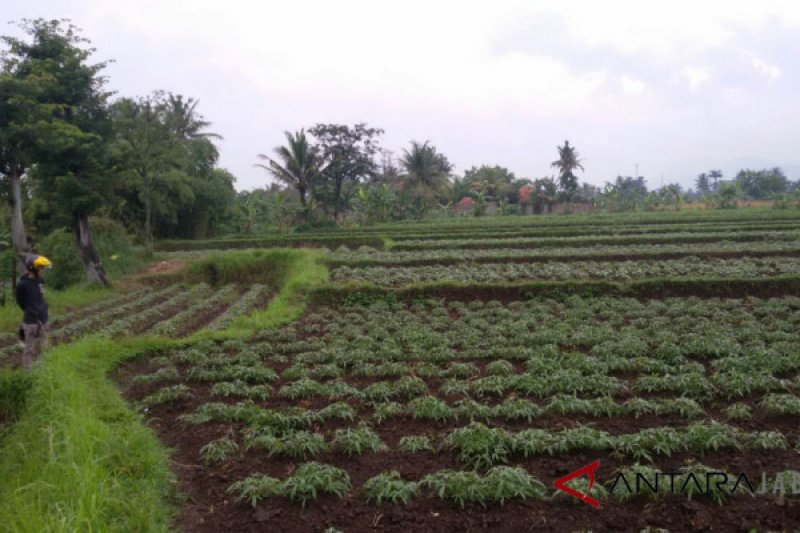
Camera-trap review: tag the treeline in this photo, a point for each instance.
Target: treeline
(71, 151)
(334, 173)
(74, 156)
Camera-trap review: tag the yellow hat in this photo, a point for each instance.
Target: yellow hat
(41, 262)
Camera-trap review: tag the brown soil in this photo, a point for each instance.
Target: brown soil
(163, 267)
(210, 508)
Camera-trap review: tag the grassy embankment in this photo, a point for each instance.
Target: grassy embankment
(78, 459)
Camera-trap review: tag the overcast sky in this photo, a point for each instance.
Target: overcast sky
(675, 87)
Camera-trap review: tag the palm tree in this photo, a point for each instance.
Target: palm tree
(568, 160)
(715, 176)
(298, 164)
(183, 119)
(426, 170)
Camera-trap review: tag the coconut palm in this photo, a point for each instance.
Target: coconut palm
(183, 119)
(296, 164)
(568, 161)
(426, 171)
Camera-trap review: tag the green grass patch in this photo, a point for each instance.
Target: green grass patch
(79, 459)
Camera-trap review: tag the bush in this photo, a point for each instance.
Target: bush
(113, 246)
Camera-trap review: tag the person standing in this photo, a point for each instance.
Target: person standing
(30, 298)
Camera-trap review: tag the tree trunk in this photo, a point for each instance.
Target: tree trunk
(95, 273)
(18, 237)
(148, 224)
(336, 198)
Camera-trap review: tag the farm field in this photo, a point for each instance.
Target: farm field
(383, 410)
(177, 310)
(423, 383)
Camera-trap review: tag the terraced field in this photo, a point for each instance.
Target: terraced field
(446, 377)
(176, 310)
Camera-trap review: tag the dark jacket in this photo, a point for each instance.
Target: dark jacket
(30, 298)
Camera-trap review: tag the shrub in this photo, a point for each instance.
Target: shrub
(480, 446)
(218, 450)
(255, 488)
(389, 487)
(415, 443)
(111, 241)
(356, 441)
(313, 478)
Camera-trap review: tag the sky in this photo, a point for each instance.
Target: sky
(672, 89)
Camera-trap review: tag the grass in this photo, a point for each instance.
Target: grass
(79, 459)
(293, 272)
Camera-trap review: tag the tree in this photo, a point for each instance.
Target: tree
(297, 165)
(762, 184)
(68, 142)
(625, 194)
(149, 157)
(544, 194)
(568, 161)
(427, 173)
(183, 120)
(347, 156)
(715, 176)
(702, 183)
(494, 182)
(17, 102)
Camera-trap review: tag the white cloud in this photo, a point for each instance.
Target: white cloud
(632, 86)
(768, 71)
(696, 76)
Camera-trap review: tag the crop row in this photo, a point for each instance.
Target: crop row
(380, 402)
(367, 256)
(577, 231)
(617, 271)
(291, 434)
(179, 296)
(524, 242)
(255, 297)
(101, 308)
(96, 321)
(196, 310)
(501, 484)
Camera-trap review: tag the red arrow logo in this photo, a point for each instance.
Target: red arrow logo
(561, 484)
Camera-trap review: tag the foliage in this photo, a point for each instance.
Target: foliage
(255, 488)
(389, 487)
(311, 479)
(355, 441)
(426, 176)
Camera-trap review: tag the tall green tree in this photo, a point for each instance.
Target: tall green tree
(347, 157)
(762, 184)
(17, 104)
(296, 165)
(495, 182)
(183, 119)
(68, 126)
(151, 159)
(568, 162)
(427, 173)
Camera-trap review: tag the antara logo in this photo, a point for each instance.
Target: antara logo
(561, 484)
